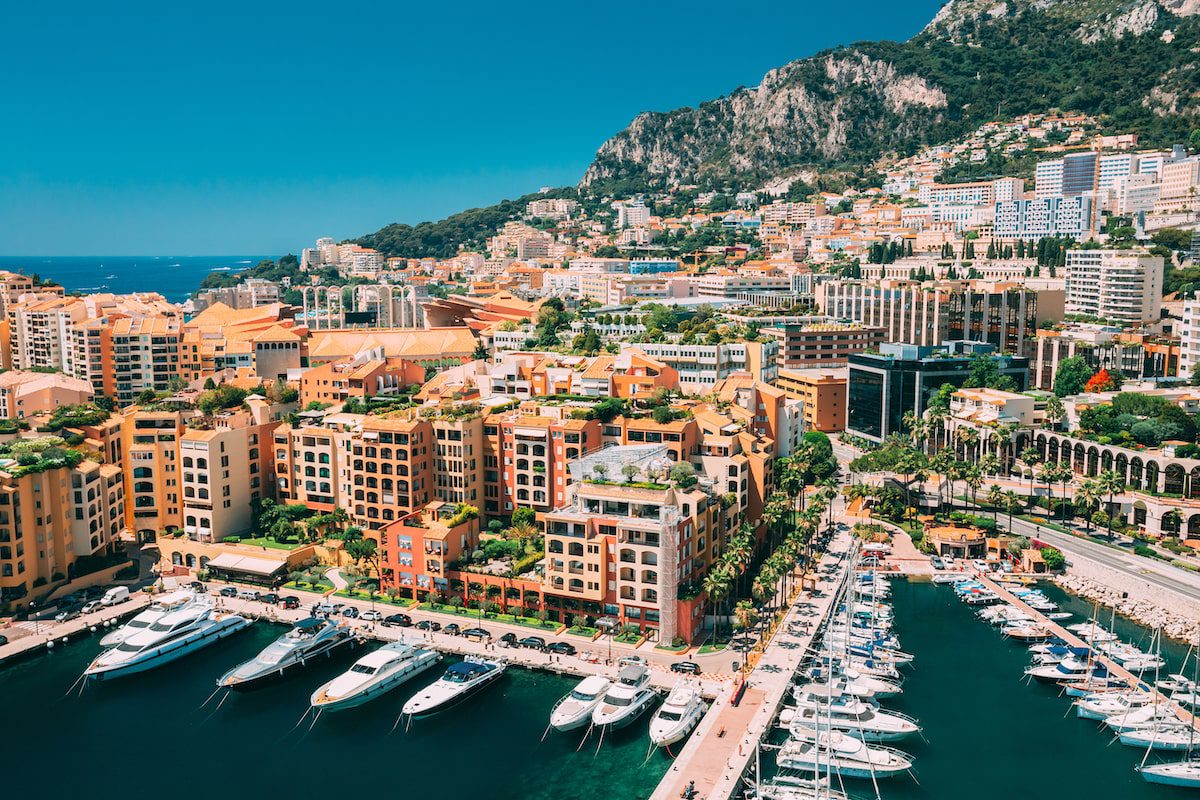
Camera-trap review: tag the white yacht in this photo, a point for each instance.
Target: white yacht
(148, 616)
(842, 755)
(460, 682)
(308, 638)
(173, 636)
(374, 674)
(857, 719)
(1175, 773)
(1175, 683)
(575, 709)
(1167, 736)
(786, 787)
(626, 700)
(679, 713)
(1070, 668)
(1140, 718)
(1107, 704)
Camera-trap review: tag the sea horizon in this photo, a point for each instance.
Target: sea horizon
(174, 277)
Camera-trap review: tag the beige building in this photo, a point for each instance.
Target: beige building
(23, 394)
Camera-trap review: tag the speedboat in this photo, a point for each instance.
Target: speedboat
(308, 638)
(626, 699)
(842, 755)
(173, 636)
(1026, 632)
(1175, 773)
(858, 719)
(1070, 668)
(374, 674)
(575, 709)
(679, 713)
(460, 682)
(148, 616)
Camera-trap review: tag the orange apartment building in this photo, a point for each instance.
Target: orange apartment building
(391, 469)
(823, 393)
(338, 381)
(417, 549)
(526, 459)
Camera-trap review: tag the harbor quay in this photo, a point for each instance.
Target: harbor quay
(38, 635)
(722, 749)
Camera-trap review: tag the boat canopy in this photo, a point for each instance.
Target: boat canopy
(248, 565)
(310, 624)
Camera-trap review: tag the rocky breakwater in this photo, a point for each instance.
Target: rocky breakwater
(1178, 616)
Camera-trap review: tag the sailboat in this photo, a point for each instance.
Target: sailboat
(1185, 773)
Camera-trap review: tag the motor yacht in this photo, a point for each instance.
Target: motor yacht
(148, 616)
(461, 681)
(1104, 705)
(1072, 667)
(842, 755)
(858, 719)
(373, 674)
(575, 709)
(678, 715)
(626, 699)
(174, 635)
(308, 638)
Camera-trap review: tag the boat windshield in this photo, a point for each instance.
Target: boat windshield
(363, 669)
(161, 627)
(582, 696)
(619, 700)
(138, 623)
(670, 716)
(128, 647)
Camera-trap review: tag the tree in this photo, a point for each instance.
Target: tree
(1087, 499)
(663, 415)
(1111, 484)
(1071, 376)
(1056, 412)
(994, 498)
(1053, 558)
(1100, 382)
(1012, 501)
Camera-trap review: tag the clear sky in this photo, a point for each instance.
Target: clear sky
(135, 128)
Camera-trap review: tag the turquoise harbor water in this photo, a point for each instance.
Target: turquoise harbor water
(989, 735)
(149, 731)
(175, 277)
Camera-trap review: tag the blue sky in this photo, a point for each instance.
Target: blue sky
(184, 129)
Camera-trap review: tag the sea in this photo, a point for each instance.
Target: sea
(987, 733)
(174, 277)
(154, 733)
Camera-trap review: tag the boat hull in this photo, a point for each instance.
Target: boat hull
(462, 696)
(634, 711)
(286, 671)
(375, 690)
(172, 651)
(1164, 775)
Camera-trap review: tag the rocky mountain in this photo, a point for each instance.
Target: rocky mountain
(1131, 62)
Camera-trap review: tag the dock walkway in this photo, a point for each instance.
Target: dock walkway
(720, 750)
(1073, 640)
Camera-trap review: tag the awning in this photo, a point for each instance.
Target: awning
(250, 565)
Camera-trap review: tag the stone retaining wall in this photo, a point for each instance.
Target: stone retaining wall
(1178, 616)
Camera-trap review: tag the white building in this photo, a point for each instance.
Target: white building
(631, 215)
(1117, 285)
(700, 366)
(1189, 338)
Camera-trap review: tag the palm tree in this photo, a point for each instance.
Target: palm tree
(717, 584)
(994, 498)
(974, 479)
(990, 464)
(1012, 501)
(969, 438)
(1055, 412)
(1087, 497)
(1110, 483)
(1172, 520)
(1049, 474)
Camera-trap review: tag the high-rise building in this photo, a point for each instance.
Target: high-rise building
(1122, 286)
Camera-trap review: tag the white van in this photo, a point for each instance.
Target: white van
(117, 594)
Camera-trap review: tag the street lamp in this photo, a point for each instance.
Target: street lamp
(608, 625)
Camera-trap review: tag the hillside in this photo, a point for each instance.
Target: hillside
(1131, 62)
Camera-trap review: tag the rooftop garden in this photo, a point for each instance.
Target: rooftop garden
(39, 455)
(73, 416)
(1133, 419)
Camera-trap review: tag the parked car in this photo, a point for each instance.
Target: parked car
(291, 601)
(687, 667)
(371, 615)
(269, 597)
(350, 612)
(91, 606)
(326, 608)
(117, 594)
(454, 629)
(197, 586)
(632, 661)
(66, 614)
(397, 620)
(477, 634)
(561, 648)
(429, 625)
(936, 562)
(3, 640)
(248, 594)
(533, 643)
(228, 591)
(509, 639)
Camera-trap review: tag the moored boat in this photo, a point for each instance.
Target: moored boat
(176, 634)
(372, 675)
(309, 638)
(625, 700)
(678, 715)
(461, 680)
(574, 710)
